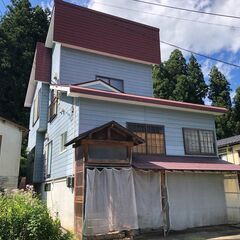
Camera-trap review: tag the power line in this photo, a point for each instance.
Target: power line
(188, 10)
(172, 17)
(175, 46)
(201, 55)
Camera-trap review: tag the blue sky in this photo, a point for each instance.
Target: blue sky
(217, 41)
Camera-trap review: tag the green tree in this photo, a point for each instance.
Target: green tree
(20, 28)
(219, 89)
(198, 88)
(219, 94)
(165, 76)
(177, 80)
(236, 112)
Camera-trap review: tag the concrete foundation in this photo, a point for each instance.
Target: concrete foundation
(60, 201)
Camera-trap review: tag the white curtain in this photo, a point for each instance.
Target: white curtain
(148, 199)
(122, 200)
(196, 199)
(110, 201)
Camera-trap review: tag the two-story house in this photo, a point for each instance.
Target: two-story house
(107, 156)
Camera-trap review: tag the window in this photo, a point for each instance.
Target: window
(116, 83)
(63, 141)
(35, 109)
(53, 106)
(153, 136)
(199, 142)
(48, 155)
(222, 152)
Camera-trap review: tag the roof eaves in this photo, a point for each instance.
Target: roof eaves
(141, 100)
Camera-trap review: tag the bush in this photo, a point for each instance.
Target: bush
(24, 217)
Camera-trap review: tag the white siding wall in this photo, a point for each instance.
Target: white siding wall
(78, 66)
(32, 136)
(93, 113)
(56, 62)
(9, 154)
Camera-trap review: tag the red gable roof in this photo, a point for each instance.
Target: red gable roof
(97, 31)
(145, 100)
(181, 163)
(43, 63)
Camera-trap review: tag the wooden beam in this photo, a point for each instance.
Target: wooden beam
(106, 142)
(165, 205)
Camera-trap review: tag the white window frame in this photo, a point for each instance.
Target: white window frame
(63, 141)
(48, 155)
(35, 115)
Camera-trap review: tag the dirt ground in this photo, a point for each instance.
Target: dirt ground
(207, 233)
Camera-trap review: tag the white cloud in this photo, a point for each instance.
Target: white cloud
(207, 39)
(225, 69)
(47, 4)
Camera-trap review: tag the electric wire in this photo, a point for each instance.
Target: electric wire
(168, 16)
(187, 9)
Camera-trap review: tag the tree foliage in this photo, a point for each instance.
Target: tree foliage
(175, 79)
(20, 28)
(219, 94)
(219, 89)
(236, 112)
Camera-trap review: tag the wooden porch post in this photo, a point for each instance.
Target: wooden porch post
(165, 206)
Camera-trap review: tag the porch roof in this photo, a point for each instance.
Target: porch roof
(182, 163)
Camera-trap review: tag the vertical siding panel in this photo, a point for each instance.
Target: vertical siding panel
(78, 66)
(66, 120)
(94, 113)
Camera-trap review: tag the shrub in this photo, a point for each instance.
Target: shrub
(24, 217)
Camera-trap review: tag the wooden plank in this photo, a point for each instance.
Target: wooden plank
(106, 142)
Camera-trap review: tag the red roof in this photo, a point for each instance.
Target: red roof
(43, 63)
(142, 99)
(180, 163)
(89, 29)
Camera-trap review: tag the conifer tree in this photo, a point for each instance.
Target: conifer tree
(236, 112)
(219, 89)
(20, 28)
(219, 94)
(197, 87)
(165, 76)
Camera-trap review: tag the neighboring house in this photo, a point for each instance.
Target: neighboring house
(229, 149)
(107, 156)
(10, 152)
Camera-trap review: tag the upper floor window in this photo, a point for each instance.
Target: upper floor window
(35, 109)
(63, 141)
(53, 105)
(199, 142)
(153, 136)
(116, 83)
(48, 155)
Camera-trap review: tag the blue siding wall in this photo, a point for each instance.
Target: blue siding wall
(78, 66)
(66, 120)
(94, 113)
(43, 115)
(38, 159)
(41, 124)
